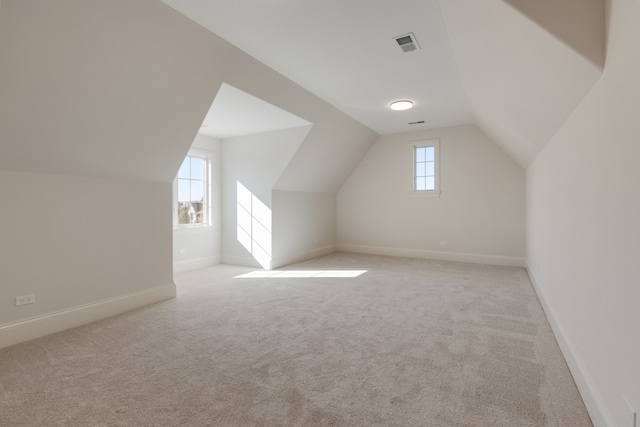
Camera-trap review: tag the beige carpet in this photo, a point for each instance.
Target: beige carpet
(407, 343)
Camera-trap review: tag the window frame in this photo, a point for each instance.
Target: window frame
(432, 142)
(207, 156)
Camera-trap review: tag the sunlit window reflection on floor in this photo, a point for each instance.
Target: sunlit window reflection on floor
(267, 274)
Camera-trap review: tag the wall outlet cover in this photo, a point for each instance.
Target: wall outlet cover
(25, 299)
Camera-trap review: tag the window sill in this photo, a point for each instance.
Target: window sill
(429, 193)
(193, 229)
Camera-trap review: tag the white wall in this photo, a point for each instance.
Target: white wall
(94, 121)
(119, 91)
(304, 226)
(113, 89)
(255, 161)
(199, 247)
(583, 231)
(86, 247)
(479, 214)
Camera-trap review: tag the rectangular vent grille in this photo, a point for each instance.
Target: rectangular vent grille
(407, 42)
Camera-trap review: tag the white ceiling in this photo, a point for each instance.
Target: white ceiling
(515, 68)
(345, 53)
(236, 113)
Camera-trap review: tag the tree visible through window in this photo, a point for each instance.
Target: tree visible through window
(192, 191)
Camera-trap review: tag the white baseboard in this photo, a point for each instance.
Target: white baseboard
(303, 256)
(242, 261)
(591, 397)
(280, 261)
(437, 255)
(195, 264)
(50, 323)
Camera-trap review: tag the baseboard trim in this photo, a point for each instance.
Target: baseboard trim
(241, 261)
(600, 416)
(436, 255)
(50, 323)
(303, 256)
(195, 264)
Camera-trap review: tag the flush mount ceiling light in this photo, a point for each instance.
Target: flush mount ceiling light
(401, 105)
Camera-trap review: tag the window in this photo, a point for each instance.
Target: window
(425, 166)
(191, 191)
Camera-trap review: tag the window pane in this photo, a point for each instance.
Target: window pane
(197, 191)
(191, 185)
(184, 192)
(421, 184)
(197, 168)
(197, 212)
(420, 169)
(429, 168)
(185, 169)
(430, 183)
(430, 153)
(420, 154)
(183, 213)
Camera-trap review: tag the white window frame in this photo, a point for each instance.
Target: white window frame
(207, 156)
(435, 143)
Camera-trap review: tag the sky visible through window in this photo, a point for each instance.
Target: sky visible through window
(191, 187)
(191, 180)
(425, 168)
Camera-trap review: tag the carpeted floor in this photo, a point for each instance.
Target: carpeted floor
(406, 343)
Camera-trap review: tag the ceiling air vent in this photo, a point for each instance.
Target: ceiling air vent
(407, 42)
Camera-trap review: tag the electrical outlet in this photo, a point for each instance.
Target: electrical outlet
(25, 299)
(182, 251)
(629, 413)
(443, 243)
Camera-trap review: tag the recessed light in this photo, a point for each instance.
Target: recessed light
(401, 105)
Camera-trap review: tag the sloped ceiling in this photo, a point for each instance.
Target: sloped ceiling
(236, 113)
(345, 53)
(107, 88)
(119, 89)
(525, 65)
(517, 68)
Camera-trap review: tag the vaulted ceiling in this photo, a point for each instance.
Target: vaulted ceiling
(516, 68)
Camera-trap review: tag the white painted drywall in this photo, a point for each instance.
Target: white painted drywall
(335, 144)
(583, 228)
(75, 240)
(114, 89)
(480, 210)
(202, 245)
(118, 90)
(99, 102)
(255, 161)
(522, 79)
(304, 226)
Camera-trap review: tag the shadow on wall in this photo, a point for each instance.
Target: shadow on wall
(254, 225)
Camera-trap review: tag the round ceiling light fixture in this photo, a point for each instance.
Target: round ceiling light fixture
(401, 105)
